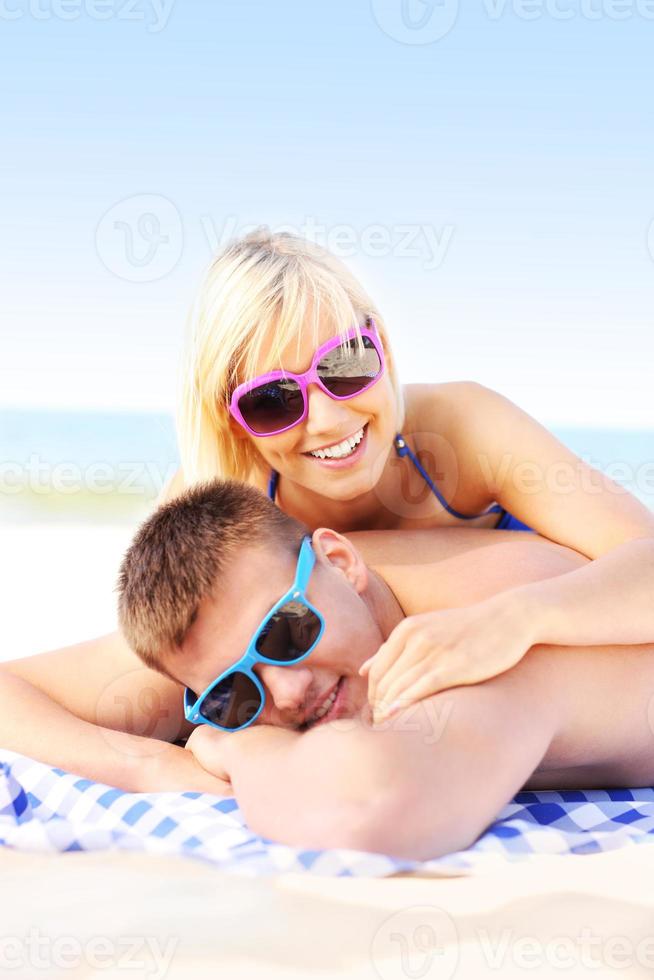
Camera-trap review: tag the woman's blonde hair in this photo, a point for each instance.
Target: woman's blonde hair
(262, 288)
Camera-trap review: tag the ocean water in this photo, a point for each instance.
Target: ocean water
(100, 467)
(110, 467)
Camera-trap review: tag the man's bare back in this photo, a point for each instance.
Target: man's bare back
(605, 735)
(604, 696)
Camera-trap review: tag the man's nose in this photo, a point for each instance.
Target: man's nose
(325, 414)
(287, 686)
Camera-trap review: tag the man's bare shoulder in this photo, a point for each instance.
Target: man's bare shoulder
(425, 545)
(460, 576)
(429, 545)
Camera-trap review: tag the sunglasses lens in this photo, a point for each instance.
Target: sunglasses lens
(349, 368)
(289, 633)
(233, 702)
(272, 406)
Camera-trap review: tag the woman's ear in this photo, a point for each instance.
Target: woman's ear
(335, 549)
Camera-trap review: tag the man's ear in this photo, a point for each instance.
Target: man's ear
(336, 550)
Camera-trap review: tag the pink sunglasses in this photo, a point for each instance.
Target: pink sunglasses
(275, 402)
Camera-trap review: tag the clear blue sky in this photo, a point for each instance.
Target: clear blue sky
(517, 153)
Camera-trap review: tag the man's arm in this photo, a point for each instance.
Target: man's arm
(35, 725)
(426, 784)
(94, 709)
(103, 682)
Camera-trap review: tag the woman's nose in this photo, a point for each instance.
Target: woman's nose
(287, 686)
(325, 414)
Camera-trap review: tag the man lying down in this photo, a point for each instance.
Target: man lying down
(267, 626)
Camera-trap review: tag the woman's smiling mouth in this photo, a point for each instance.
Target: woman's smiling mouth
(347, 451)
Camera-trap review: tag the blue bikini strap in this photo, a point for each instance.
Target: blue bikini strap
(403, 449)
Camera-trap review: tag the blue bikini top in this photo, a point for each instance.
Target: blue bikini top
(506, 522)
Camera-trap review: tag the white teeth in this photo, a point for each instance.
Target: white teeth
(342, 449)
(325, 706)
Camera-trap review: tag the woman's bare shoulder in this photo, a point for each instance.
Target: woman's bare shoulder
(442, 404)
(443, 423)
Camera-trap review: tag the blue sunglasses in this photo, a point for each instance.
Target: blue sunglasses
(286, 635)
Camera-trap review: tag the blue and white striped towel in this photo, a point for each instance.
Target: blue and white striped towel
(46, 809)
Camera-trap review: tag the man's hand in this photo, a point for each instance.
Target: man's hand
(434, 651)
(209, 747)
(169, 769)
(230, 756)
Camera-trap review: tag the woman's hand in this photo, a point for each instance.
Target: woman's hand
(430, 652)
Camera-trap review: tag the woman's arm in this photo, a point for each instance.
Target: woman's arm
(509, 457)
(610, 600)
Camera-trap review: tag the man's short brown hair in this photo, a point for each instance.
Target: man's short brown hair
(179, 553)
